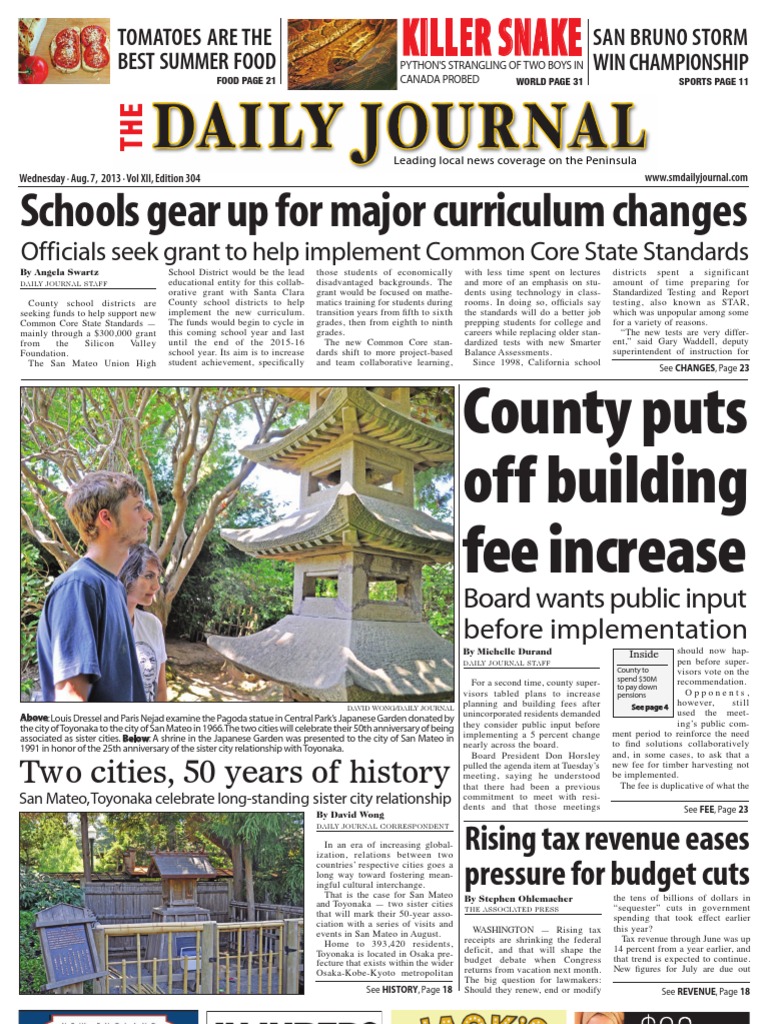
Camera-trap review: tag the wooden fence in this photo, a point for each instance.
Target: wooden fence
(234, 958)
(128, 902)
(116, 903)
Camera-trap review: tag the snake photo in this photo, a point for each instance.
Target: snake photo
(342, 54)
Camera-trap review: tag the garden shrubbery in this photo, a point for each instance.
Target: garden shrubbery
(36, 892)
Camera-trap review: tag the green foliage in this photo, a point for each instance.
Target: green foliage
(434, 405)
(35, 582)
(148, 832)
(31, 969)
(275, 843)
(226, 591)
(326, 586)
(434, 494)
(39, 832)
(437, 584)
(62, 856)
(231, 595)
(382, 590)
(37, 891)
(251, 596)
(434, 487)
(434, 491)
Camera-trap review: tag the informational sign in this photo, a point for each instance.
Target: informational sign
(69, 950)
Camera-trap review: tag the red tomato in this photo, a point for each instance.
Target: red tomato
(92, 34)
(33, 70)
(67, 35)
(95, 56)
(67, 54)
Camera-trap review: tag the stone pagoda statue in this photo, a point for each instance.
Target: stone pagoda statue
(357, 630)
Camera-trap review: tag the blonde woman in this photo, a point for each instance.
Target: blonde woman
(599, 1017)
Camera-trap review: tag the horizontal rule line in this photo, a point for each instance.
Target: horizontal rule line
(175, 185)
(680, 359)
(87, 288)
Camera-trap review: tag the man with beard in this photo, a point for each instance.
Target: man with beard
(85, 644)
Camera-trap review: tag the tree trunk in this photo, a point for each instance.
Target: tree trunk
(250, 897)
(249, 889)
(85, 843)
(237, 870)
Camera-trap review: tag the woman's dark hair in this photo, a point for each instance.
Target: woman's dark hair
(139, 559)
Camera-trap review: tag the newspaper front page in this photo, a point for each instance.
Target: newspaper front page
(387, 401)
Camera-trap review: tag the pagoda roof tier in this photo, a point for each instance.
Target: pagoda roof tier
(375, 420)
(349, 520)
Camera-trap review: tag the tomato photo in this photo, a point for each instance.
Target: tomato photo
(33, 70)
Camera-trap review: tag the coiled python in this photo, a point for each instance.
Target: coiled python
(342, 54)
